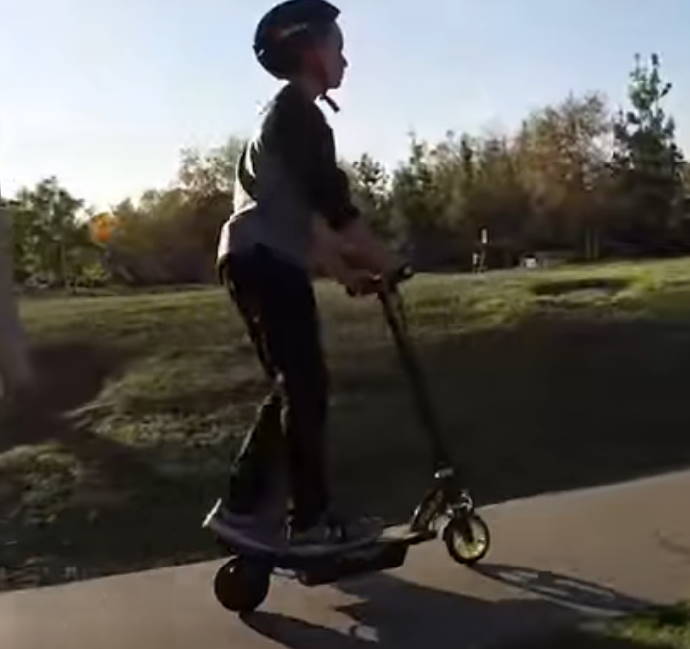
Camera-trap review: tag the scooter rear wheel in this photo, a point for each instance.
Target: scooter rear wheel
(467, 538)
(241, 585)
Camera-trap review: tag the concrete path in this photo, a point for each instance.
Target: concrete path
(555, 560)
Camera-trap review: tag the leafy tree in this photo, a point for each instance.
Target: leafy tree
(562, 152)
(426, 198)
(207, 174)
(171, 235)
(208, 182)
(495, 198)
(154, 242)
(371, 192)
(51, 242)
(647, 161)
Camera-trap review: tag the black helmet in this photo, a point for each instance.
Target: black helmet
(289, 27)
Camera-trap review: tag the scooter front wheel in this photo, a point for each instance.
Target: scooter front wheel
(241, 585)
(467, 538)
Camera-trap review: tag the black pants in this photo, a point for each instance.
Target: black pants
(277, 303)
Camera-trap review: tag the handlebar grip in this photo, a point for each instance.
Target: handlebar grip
(402, 274)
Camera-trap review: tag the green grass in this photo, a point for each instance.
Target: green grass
(663, 628)
(544, 380)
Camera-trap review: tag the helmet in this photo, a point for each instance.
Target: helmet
(287, 29)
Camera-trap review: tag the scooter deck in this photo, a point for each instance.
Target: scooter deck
(386, 552)
(403, 534)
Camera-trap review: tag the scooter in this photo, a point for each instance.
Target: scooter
(447, 509)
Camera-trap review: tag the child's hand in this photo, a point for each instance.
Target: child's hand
(360, 282)
(363, 249)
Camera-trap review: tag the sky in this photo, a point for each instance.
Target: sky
(104, 94)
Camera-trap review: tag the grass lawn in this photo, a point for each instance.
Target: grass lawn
(544, 380)
(666, 628)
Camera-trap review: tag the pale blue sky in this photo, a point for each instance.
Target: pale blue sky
(104, 94)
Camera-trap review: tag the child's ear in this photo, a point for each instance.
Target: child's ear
(311, 60)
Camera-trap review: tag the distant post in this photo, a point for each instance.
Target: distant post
(483, 247)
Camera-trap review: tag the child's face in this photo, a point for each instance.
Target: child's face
(331, 59)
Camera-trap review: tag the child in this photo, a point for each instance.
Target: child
(292, 211)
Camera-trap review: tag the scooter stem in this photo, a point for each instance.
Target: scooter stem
(393, 309)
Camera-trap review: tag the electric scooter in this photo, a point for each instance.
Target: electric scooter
(447, 509)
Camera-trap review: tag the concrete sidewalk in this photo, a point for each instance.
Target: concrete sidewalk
(555, 560)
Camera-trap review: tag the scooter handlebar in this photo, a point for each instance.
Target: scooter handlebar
(398, 276)
(389, 282)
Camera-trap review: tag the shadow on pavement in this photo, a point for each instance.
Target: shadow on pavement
(396, 614)
(560, 588)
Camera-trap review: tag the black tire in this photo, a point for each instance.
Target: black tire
(242, 585)
(467, 539)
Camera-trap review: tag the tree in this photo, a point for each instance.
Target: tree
(647, 161)
(208, 182)
(210, 173)
(562, 152)
(171, 235)
(495, 199)
(50, 241)
(421, 198)
(452, 168)
(156, 242)
(370, 186)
